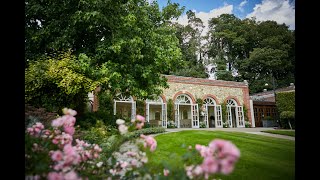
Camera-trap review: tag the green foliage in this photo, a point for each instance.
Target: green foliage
(89, 119)
(285, 101)
(141, 107)
(30, 121)
(286, 117)
(113, 142)
(105, 100)
(62, 81)
(171, 124)
(132, 42)
(224, 112)
(202, 125)
(170, 110)
(256, 50)
(190, 44)
(245, 112)
(39, 163)
(145, 131)
(98, 133)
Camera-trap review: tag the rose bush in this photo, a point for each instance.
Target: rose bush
(53, 153)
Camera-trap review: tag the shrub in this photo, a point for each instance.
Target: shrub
(98, 133)
(202, 125)
(89, 119)
(170, 110)
(286, 117)
(53, 154)
(285, 101)
(247, 124)
(171, 124)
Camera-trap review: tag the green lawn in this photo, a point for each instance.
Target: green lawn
(282, 132)
(261, 157)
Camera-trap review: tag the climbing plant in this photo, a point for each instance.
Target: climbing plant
(170, 110)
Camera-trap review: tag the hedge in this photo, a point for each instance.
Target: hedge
(285, 101)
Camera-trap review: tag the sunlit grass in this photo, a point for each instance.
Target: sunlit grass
(261, 157)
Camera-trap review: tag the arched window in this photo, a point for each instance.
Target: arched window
(184, 108)
(125, 106)
(209, 101)
(156, 111)
(231, 102)
(183, 99)
(122, 98)
(156, 100)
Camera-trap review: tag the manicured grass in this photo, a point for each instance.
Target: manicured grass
(261, 157)
(282, 132)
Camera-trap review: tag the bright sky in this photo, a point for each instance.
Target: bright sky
(281, 11)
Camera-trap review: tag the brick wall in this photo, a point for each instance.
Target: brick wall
(201, 88)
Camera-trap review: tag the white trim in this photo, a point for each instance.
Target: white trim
(219, 116)
(253, 124)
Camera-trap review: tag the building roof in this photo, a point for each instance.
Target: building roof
(202, 81)
(269, 95)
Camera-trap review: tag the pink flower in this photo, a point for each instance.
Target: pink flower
(226, 166)
(71, 175)
(29, 130)
(57, 122)
(123, 129)
(198, 170)
(134, 162)
(204, 150)
(97, 148)
(57, 155)
(209, 165)
(55, 141)
(198, 147)
(95, 155)
(189, 171)
(68, 120)
(70, 130)
(39, 125)
(140, 118)
(139, 125)
(124, 164)
(166, 172)
(55, 176)
(68, 150)
(131, 153)
(153, 147)
(149, 141)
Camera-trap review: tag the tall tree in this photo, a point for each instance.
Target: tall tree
(190, 43)
(235, 41)
(132, 38)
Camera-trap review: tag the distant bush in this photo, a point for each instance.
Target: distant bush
(286, 117)
(285, 101)
(89, 119)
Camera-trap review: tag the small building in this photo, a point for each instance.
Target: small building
(184, 92)
(264, 105)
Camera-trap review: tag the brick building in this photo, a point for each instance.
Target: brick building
(184, 93)
(264, 106)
